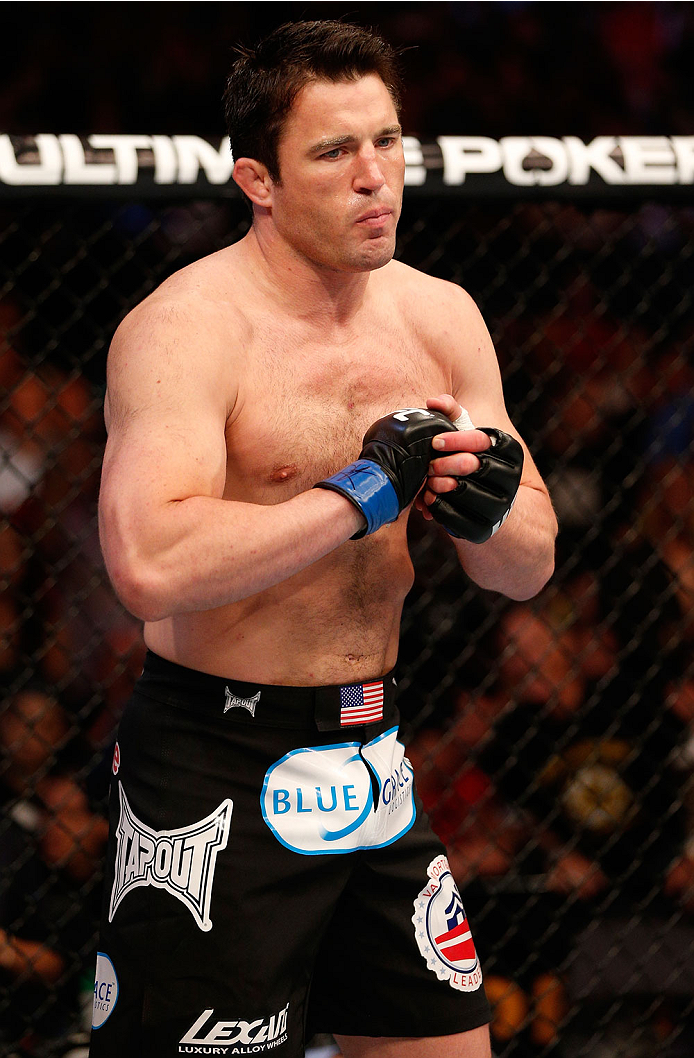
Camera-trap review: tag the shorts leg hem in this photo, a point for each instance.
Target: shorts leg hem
(473, 1020)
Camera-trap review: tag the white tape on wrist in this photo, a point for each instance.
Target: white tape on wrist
(463, 422)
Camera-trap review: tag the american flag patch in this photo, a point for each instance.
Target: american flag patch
(361, 703)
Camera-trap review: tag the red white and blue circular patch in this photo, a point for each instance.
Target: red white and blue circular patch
(442, 932)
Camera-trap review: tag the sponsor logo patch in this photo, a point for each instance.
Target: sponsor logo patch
(442, 932)
(207, 1035)
(105, 990)
(180, 861)
(234, 702)
(340, 798)
(115, 766)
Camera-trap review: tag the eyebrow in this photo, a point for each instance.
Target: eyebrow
(340, 141)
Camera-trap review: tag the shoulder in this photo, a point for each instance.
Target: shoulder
(191, 323)
(426, 299)
(450, 327)
(196, 302)
(184, 342)
(442, 315)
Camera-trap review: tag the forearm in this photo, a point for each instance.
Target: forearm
(201, 552)
(519, 559)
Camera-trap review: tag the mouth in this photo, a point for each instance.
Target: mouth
(375, 218)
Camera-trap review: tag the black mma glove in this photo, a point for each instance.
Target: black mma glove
(483, 500)
(392, 465)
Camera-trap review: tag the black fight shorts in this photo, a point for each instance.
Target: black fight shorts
(271, 874)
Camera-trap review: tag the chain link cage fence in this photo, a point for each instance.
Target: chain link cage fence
(553, 739)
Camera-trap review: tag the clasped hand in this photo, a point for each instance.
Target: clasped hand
(457, 455)
(469, 489)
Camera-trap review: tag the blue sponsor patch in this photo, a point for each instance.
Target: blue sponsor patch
(340, 798)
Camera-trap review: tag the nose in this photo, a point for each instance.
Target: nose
(369, 174)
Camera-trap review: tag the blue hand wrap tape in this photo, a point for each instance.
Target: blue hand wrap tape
(373, 490)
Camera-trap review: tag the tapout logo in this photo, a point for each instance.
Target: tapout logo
(180, 861)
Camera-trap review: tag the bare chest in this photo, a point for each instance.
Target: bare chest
(304, 406)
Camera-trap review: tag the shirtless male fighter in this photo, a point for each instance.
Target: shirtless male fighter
(271, 873)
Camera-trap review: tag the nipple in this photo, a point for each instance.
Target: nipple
(284, 473)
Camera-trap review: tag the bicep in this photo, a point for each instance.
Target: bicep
(166, 421)
(154, 460)
(477, 382)
(478, 385)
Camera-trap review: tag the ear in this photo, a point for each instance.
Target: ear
(254, 180)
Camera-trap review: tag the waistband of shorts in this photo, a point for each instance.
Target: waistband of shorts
(331, 708)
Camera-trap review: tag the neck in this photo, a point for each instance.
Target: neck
(312, 291)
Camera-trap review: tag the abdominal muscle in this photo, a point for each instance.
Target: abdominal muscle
(336, 622)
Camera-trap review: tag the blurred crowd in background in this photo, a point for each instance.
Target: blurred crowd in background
(476, 68)
(554, 740)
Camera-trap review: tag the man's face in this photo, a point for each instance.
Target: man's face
(342, 170)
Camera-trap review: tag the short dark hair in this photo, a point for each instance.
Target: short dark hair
(265, 79)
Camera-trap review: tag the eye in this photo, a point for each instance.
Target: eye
(386, 141)
(332, 154)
